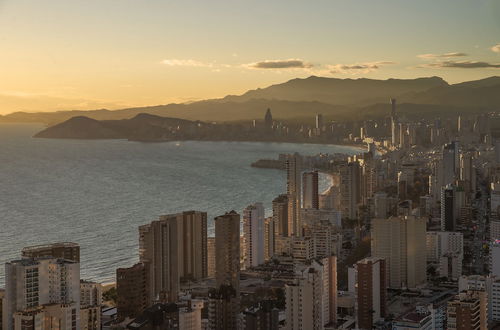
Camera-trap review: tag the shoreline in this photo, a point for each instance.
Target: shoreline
(331, 184)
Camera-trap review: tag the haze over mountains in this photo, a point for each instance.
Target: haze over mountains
(301, 98)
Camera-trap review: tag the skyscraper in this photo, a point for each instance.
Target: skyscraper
(175, 248)
(310, 199)
(211, 256)
(280, 216)
(253, 232)
(450, 206)
(401, 242)
(350, 189)
(311, 299)
(450, 162)
(269, 235)
(48, 285)
(370, 291)
(394, 124)
(90, 305)
(293, 189)
(132, 286)
(268, 119)
(227, 250)
(224, 300)
(319, 124)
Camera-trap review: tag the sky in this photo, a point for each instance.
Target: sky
(89, 54)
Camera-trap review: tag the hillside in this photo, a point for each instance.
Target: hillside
(141, 127)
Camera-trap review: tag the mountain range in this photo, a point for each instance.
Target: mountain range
(303, 98)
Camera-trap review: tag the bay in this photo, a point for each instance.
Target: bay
(97, 192)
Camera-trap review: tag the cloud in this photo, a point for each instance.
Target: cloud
(357, 68)
(447, 55)
(496, 48)
(280, 64)
(461, 65)
(188, 62)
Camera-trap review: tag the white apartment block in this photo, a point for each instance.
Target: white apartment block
(32, 284)
(253, 232)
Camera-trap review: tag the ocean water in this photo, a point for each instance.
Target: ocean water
(96, 193)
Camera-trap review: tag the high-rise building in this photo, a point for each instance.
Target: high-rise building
(312, 297)
(446, 250)
(451, 202)
(62, 250)
(302, 248)
(495, 202)
(381, 205)
(450, 162)
(495, 257)
(293, 189)
(401, 242)
(327, 239)
(49, 286)
(369, 283)
(211, 256)
(350, 189)
(439, 243)
(494, 228)
(2, 296)
(90, 305)
(224, 300)
(467, 172)
(280, 216)
(253, 232)
(132, 287)
(394, 124)
(310, 195)
(175, 248)
(489, 284)
(269, 235)
(227, 250)
(319, 122)
(468, 311)
(268, 119)
(223, 308)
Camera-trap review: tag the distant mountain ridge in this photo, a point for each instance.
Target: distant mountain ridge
(300, 98)
(351, 92)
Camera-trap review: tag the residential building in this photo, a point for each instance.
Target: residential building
(312, 296)
(49, 285)
(132, 286)
(175, 249)
(401, 242)
(310, 195)
(280, 216)
(253, 233)
(468, 311)
(294, 188)
(369, 284)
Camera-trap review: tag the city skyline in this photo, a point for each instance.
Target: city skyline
(327, 165)
(81, 55)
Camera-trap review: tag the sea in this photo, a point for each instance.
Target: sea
(97, 192)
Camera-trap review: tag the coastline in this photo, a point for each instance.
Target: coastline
(361, 147)
(330, 178)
